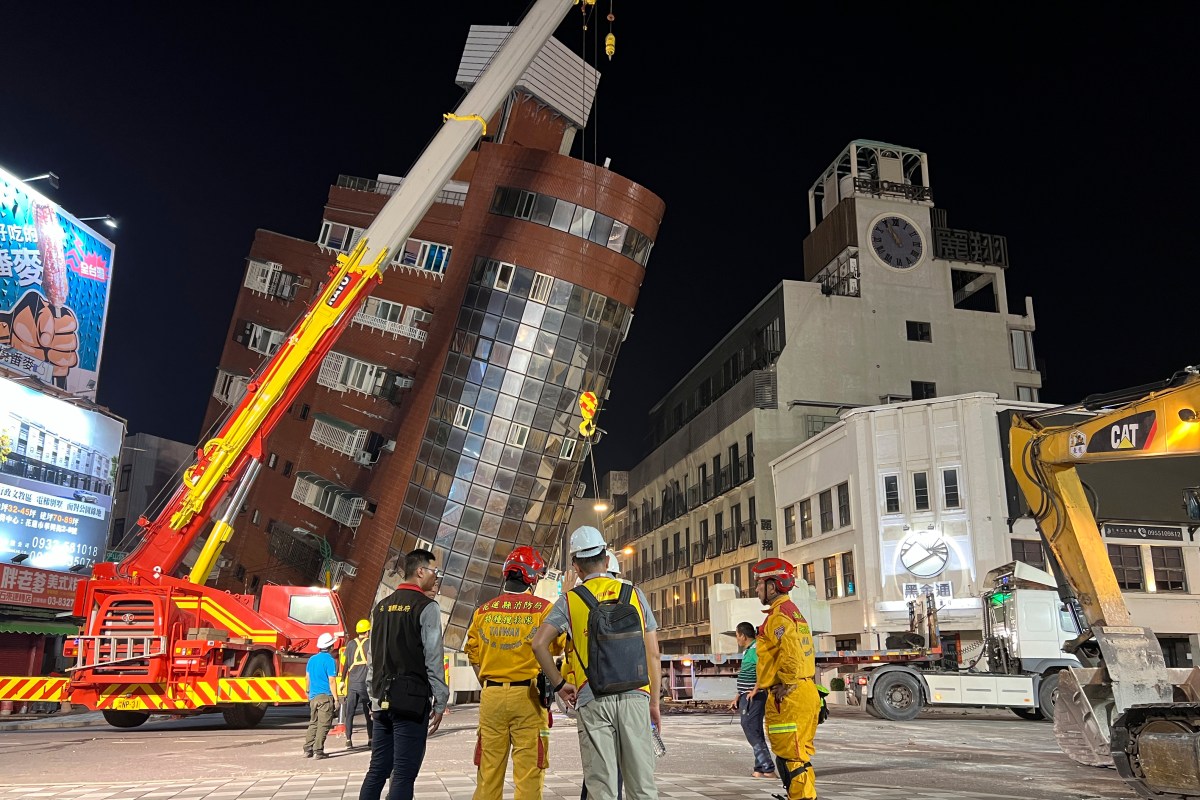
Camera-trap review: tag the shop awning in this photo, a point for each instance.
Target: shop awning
(46, 627)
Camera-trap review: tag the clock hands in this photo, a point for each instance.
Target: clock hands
(892, 230)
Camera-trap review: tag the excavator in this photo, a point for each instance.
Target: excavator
(1124, 707)
(155, 639)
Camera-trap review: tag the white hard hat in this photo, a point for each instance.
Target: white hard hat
(587, 542)
(325, 641)
(614, 566)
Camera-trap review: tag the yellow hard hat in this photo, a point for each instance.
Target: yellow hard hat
(363, 626)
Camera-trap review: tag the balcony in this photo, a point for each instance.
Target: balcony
(729, 541)
(267, 278)
(682, 559)
(747, 533)
(699, 552)
(396, 329)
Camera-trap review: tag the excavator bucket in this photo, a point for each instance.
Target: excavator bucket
(1154, 746)
(1082, 707)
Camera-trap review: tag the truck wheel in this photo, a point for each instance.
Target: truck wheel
(247, 715)
(897, 696)
(1033, 714)
(869, 707)
(125, 719)
(1046, 693)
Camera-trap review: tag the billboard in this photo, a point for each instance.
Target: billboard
(39, 588)
(55, 274)
(58, 465)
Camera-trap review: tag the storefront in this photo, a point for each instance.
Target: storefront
(35, 616)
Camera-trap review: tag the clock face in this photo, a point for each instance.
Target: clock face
(924, 554)
(897, 242)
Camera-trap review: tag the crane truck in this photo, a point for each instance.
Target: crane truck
(1123, 706)
(155, 639)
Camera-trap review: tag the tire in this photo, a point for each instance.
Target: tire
(1046, 694)
(1031, 714)
(247, 715)
(897, 697)
(125, 719)
(869, 707)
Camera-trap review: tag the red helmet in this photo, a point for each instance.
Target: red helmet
(778, 570)
(526, 561)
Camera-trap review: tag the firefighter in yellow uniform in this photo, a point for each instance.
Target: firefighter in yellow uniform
(511, 714)
(787, 669)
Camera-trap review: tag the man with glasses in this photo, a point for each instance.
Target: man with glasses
(406, 679)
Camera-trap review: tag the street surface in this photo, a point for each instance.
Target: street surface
(940, 755)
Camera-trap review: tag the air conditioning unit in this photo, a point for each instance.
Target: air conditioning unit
(580, 489)
(364, 458)
(349, 570)
(852, 286)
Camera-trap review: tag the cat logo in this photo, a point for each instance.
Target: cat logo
(1135, 432)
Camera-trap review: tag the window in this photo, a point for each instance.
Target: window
(826, 501)
(542, 284)
(271, 460)
(789, 525)
(429, 256)
(843, 497)
(462, 417)
(919, 331)
(1028, 393)
(518, 435)
(806, 528)
(1030, 552)
(595, 308)
(504, 276)
(230, 388)
(921, 491)
(735, 577)
(809, 573)
(1169, 575)
(846, 644)
(126, 473)
(304, 409)
(1022, 349)
(287, 468)
(923, 390)
(950, 488)
(254, 517)
(848, 587)
(829, 566)
(263, 340)
(568, 448)
(337, 236)
(891, 493)
(1127, 564)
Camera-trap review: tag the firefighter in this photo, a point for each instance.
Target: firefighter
(786, 670)
(355, 658)
(511, 711)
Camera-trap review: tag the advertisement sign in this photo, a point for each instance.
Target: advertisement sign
(55, 274)
(58, 465)
(39, 588)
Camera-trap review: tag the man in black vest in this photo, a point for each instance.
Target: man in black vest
(406, 679)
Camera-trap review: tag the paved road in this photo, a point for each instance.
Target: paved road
(942, 755)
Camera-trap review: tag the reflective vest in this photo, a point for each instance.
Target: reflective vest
(604, 588)
(785, 647)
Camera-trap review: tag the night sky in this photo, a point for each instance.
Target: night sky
(1064, 130)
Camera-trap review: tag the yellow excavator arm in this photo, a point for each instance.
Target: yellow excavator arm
(1120, 711)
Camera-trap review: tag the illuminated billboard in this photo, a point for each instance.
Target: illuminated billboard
(55, 274)
(58, 465)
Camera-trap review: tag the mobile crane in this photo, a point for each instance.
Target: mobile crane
(158, 641)
(1126, 707)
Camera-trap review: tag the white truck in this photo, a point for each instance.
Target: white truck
(1025, 625)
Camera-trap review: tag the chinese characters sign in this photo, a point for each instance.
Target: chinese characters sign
(55, 274)
(58, 466)
(24, 586)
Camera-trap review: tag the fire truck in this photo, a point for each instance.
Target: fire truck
(155, 639)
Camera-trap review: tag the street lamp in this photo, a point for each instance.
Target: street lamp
(107, 219)
(47, 176)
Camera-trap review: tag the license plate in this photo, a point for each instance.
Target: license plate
(128, 704)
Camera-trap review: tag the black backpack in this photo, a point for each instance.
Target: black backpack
(616, 647)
